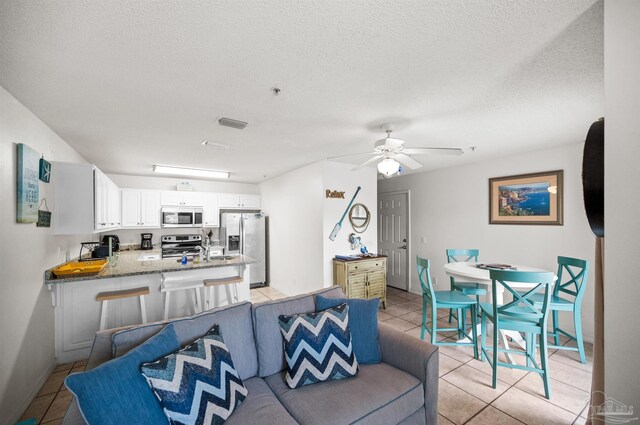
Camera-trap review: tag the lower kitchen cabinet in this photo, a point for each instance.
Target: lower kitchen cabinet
(363, 278)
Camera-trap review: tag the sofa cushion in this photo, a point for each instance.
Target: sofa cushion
(380, 394)
(198, 384)
(269, 342)
(318, 346)
(235, 321)
(261, 406)
(363, 322)
(116, 393)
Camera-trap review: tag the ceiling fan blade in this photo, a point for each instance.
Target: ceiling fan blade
(352, 154)
(407, 160)
(433, 151)
(367, 162)
(393, 143)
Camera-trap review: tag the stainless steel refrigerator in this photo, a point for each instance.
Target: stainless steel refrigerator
(244, 233)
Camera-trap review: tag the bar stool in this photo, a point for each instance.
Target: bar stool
(105, 297)
(227, 282)
(168, 287)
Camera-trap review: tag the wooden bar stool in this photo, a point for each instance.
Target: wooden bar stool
(105, 297)
(227, 282)
(169, 285)
(196, 300)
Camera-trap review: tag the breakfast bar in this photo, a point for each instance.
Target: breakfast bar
(78, 314)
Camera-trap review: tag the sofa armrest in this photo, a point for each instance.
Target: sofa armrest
(414, 356)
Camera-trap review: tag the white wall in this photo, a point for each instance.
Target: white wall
(622, 201)
(293, 206)
(301, 219)
(26, 251)
(338, 176)
(450, 208)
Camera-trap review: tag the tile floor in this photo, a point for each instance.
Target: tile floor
(465, 393)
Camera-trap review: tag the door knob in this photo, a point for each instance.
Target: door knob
(403, 247)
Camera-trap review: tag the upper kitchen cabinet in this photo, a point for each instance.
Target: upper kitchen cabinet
(86, 201)
(231, 200)
(140, 208)
(211, 210)
(106, 202)
(183, 199)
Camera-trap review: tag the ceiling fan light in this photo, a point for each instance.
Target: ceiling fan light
(388, 166)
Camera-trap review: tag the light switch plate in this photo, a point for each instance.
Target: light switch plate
(423, 240)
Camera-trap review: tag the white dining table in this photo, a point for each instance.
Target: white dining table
(469, 272)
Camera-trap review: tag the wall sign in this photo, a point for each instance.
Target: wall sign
(28, 172)
(44, 216)
(45, 170)
(334, 194)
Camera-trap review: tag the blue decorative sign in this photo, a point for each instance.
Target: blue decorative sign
(45, 170)
(28, 172)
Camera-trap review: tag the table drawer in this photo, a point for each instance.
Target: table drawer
(363, 266)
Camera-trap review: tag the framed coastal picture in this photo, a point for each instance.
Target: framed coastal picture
(28, 168)
(526, 199)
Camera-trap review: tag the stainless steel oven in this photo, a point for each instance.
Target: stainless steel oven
(182, 217)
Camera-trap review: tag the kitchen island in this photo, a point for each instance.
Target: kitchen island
(77, 313)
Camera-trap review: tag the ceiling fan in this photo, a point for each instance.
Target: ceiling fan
(392, 154)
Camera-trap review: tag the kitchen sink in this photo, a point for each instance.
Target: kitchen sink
(224, 257)
(150, 257)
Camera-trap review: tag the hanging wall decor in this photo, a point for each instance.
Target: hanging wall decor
(44, 216)
(45, 170)
(28, 172)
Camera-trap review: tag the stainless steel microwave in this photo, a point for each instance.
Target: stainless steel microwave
(182, 217)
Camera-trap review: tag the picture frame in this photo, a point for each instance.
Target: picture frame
(532, 199)
(28, 186)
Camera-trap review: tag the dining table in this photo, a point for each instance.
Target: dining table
(470, 272)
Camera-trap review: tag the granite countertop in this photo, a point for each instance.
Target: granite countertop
(126, 263)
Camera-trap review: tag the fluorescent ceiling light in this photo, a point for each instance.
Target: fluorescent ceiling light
(195, 172)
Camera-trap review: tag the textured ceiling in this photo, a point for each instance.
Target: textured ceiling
(131, 84)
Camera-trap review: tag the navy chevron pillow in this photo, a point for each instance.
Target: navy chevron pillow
(317, 346)
(198, 384)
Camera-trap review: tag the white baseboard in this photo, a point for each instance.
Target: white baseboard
(13, 417)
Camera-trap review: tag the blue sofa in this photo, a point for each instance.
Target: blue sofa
(402, 389)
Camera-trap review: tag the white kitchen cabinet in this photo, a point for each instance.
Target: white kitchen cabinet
(140, 208)
(150, 208)
(85, 201)
(250, 201)
(183, 199)
(106, 202)
(236, 201)
(211, 211)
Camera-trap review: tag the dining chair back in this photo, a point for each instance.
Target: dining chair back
(448, 300)
(571, 284)
(524, 313)
(467, 288)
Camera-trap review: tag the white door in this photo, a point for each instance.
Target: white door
(228, 200)
(150, 208)
(130, 207)
(171, 197)
(393, 226)
(250, 201)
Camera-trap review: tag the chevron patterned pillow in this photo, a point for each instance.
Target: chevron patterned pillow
(198, 384)
(318, 346)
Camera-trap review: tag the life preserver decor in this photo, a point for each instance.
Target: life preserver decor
(593, 177)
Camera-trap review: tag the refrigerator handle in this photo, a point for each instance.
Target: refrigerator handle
(241, 234)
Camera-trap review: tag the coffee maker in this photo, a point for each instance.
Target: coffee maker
(146, 242)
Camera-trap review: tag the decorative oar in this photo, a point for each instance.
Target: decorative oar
(338, 225)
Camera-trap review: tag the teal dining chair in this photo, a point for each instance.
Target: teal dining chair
(522, 314)
(573, 290)
(467, 288)
(448, 300)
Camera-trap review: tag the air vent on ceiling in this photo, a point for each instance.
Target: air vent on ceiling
(229, 122)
